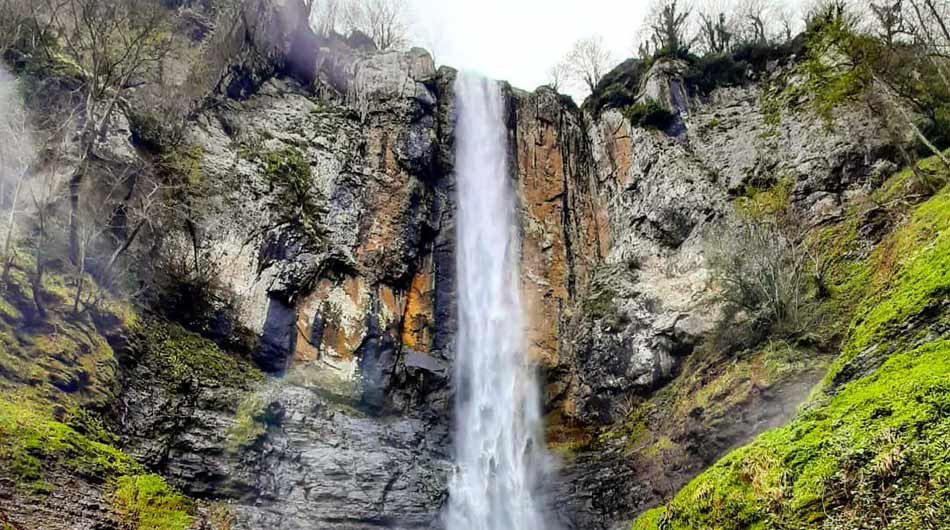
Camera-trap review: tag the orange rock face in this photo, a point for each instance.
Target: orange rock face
(560, 236)
(418, 321)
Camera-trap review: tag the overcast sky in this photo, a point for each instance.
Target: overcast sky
(519, 40)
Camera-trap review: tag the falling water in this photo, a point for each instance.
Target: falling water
(499, 451)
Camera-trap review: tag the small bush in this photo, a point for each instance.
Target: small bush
(146, 502)
(650, 114)
(714, 71)
(618, 89)
(764, 272)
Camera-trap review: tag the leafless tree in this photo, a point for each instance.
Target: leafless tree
(17, 155)
(14, 20)
(889, 18)
(115, 45)
(755, 21)
(326, 16)
(559, 75)
(588, 61)
(668, 27)
(761, 267)
(715, 33)
(384, 21)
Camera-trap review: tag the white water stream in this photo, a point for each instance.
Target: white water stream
(499, 446)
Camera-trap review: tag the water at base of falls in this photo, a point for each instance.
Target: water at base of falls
(499, 446)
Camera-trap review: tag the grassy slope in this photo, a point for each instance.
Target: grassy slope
(56, 372)
(872, 447)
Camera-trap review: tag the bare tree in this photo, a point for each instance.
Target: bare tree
(17, 155)
(755, 21)
(326, 16)
(384, 21)
(588, 61)
(559, 75)
(889, 18)
(668, 27)
(762, 268)
(715, 33)
(14, 20)
(115, 45)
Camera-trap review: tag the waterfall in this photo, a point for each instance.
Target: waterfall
(499, 447)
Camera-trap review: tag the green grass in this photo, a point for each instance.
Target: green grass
(146, 502)
(31, 442)
(873, 449)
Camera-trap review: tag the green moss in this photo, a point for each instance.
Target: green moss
(181, 357)
(600, 303)
(249, 425)
(877, 448)
(31, 441)
(185, 162)
(8, 312)
(758, 203)
(649, 114)
(908, 278)
(146, 502)
(872, 454)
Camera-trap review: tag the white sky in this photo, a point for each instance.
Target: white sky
(519, 40)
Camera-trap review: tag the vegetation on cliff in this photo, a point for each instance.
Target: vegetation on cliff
(869, 447)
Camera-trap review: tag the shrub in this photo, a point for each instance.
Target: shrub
(650, 114)
(618, 89)
(296, 203)
(714, 71)
(146, 502)
(763, 271)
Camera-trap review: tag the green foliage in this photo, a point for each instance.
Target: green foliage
(650, 114)
(715, 71)
(154, 131)
(31, 441)
(618, 89)
(288, 172)
(836, 67)
(250, 423)
(146, 502)
(872, 454)
(182, 358)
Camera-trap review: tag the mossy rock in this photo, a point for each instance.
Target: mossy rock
(32, 443)
(875, 450)
(147, 502)
(179, 358)
(870, 450)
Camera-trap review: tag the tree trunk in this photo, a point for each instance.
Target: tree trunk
(913, 126)
(8, 243)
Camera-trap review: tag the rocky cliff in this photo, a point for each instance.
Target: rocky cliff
(320, 209)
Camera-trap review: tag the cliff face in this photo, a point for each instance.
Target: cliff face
(324, 211)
